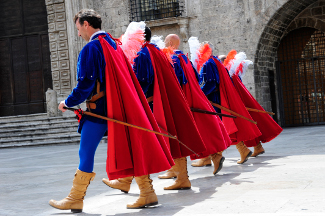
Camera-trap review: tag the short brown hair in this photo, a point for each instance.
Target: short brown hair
(89, 15)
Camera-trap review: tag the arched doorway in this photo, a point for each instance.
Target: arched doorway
(25, 66)
(301, 77)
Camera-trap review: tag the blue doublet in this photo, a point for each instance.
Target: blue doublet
(209, 76)
(144, 72)
(90, 68)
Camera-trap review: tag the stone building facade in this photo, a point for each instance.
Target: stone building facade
(256, 27)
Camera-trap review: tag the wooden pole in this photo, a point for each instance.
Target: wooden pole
(232, 112)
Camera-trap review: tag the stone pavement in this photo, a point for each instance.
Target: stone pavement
(287, 180)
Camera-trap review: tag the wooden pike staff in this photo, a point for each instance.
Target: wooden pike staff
(260, 111)
(130, 125)
(232, 112)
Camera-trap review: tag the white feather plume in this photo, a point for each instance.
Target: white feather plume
(236, 62)
(245, 63)
(158, 41)
(194, 44)
(133, 39)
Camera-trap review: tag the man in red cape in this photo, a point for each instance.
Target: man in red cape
(219, 89)
(268, 127)
(106, 78)
(211, 128)
(171, 110)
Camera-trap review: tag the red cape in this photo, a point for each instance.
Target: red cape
(238, 129)
(211, 128)
(268, 127)
(171, 109)
(130, 152)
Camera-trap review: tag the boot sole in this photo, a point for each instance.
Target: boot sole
(258, 154)
(167, 178)
(202, 166)
(72, 210)
(184, 188)
(116, 188)
(144, 206)
(249, 154)
(220, 165)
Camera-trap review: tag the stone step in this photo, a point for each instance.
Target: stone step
(14, 141)
(37, 121)
(35, 125)
(23, 117)
(45, 128)
(42, 143)
(38, 133)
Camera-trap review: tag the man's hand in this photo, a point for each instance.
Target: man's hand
(61, 105)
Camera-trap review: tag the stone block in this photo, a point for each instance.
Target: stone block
(59, 26)
(65, 84)
(62, 45)
(63, 64)
(56, 85)
(51, 103)
(63, 35)
(58, 1)
(51, 18)
(52, 36)
(54, 56)
(50, 9)
(55, 75)
(63, 54)
(53, 46)
(51, 27)
(65, 75)
(48, 2)
(317, 11)
(59, 8)
(54, 65)
(60, 16)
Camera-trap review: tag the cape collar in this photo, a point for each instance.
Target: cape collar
(96, 35)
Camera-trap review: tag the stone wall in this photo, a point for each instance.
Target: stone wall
(253, 26)
(58, 38)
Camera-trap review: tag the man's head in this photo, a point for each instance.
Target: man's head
(147, 33)
(172, 41)
(222, 58)
(87, 22)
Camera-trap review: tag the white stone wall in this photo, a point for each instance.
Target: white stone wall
(228, 24)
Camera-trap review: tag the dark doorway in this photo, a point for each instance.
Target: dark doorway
(301, 70)
(25, 66)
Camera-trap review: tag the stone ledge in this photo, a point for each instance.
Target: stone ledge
(181, 21)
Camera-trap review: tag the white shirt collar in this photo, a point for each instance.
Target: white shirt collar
(96, 33)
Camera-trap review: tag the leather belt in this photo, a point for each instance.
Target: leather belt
(91, 103)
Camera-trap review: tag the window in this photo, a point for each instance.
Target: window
(145, 10)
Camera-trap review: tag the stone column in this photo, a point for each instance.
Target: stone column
(59, 47)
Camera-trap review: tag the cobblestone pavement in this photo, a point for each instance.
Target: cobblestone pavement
(287, 180)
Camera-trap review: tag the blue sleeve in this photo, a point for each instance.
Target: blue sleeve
(90, 67)
(91, 62)
(81, 92)
(143, 70)
(179, 71)
(210, 77)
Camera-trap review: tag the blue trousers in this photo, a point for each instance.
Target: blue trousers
(91, 134)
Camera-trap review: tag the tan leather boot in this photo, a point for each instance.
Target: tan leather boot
(258, 150)
(147, 196)
(168, 175)
(122, 184)
(218, 160)
(202, 162)
(182, 182)
(245, 153)
(74, 200)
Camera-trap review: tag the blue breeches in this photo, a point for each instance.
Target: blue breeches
(91, 134)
